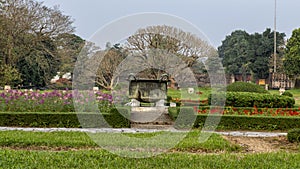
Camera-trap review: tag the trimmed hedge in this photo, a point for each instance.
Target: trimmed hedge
(250, 111)
(286, 93)
(245, 87)
(68, 120)
(173, 112)
(238, 122)
(185, 119)
(246, 99)
(230, 122)
(294, 135)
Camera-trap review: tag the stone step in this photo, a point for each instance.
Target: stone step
(148, 114)
(151, 126)
(164, 118)
(150, 118)
(155, 123)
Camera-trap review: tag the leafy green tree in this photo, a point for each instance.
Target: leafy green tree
(68, 48)
(28, 32)
(250, 53)
(9, 76)
(263, 49)
(39, 64)
(292, 57)
(235, 52)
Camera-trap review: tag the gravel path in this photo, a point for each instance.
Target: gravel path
(132, 130)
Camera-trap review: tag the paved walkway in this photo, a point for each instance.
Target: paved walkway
(132, 130)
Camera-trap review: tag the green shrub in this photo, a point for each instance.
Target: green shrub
(169, 99)
(247, 99)
(294, 135)
(238, 122)
(289, 94)
(173, 112)
(231, 122)
(117, 118)
(185, 117)
(245, 87)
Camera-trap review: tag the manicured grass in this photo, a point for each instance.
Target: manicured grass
(19, 149)
(205, 91)
(214, 143)
(49, 139)
(295, 92)
(81, 140)
(103, 159)
(184, 95)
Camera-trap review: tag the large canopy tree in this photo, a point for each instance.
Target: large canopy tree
(27, 31)
(68, 48)
(250, 53)
(167, 40)
(235, 51)
(39, 63)
(148, 53)
(292, 57)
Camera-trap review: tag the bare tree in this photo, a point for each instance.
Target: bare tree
(149, 53)
(33, 17)
(25, 17)
(111, 58)
(171, 39)
(99, 67)
(173, 42)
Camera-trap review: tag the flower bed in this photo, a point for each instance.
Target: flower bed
(248, 111)
(231, 121)
(53, 101)
(246, 99)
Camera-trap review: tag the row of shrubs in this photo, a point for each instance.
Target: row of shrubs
(116, 118)
(250, 111)
(188, 118)
(246, 87)
(247, 99)
(294, 135)
(251, 87)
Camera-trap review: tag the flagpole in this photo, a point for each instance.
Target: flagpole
(275, 38)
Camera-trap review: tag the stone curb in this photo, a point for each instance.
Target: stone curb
(132, 130)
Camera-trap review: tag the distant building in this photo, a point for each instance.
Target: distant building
(67, 76)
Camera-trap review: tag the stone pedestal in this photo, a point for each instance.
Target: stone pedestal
(7, 87)
(147, 114)
(150, 118)
(135, 103)
(160, 103)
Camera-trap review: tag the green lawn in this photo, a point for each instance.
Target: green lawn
(205, 91)
(102, 159)
(184, 95)
(295, 92)
(76, 150)
(80, 140)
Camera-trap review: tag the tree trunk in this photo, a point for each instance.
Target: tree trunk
(297, 83)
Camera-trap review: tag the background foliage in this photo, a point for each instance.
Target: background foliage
(244, 53)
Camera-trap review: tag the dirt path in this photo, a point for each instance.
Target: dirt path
(263, 144)
(248, 144)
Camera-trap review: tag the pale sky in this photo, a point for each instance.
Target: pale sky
(215, 18)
